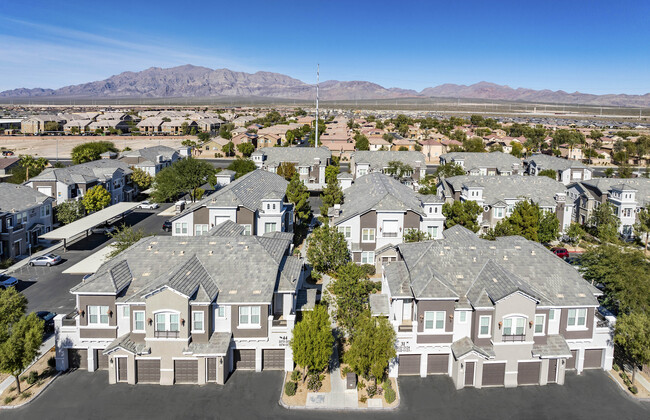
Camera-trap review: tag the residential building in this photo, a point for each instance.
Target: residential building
(172, 310)
(476, 163)
(240, 138)
(25, 214)
(377, 211)
(109, 125)
(567, 171)
(256, 201)
(72, 182)
(80, 126)
(310, 162)
(433, 149)
(268, 140)
(151, 159)
(498, 195)
(492, 313)
(151, 125)
(177, 126)
(365, 162)
(627, 197)
(37, 124)
(377, 143)
(209, 125)
(6, 166)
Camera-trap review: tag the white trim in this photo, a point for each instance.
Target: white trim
(165, 287)
(535, 333)
(489, 326)
(144, 321)
(202, 330)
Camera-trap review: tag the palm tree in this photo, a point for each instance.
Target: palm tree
(29, 162)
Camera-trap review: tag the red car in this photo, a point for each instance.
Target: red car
(560, 252)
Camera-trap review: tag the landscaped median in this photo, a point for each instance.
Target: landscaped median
(32, 382)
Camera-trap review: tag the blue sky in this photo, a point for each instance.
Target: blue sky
(592, 46)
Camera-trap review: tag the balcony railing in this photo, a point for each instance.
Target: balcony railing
(70, 319)
(405, 328)
(166, 334)
(389, 234)
(513, 338)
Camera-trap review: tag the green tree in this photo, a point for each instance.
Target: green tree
(287, 170)
(449, 169)
(428, 185)
(609, 173)
(141, 178)
(124, 236)
(52, 126)
(398, 169)
(496, 147)
(331, 173)
(312, 341)
(225, 130)
(477, 120)
(228, 149)
(642, 226)
(475, 144)
(246, 149)
(327, 249)
(576, 233)
(350, 290)
(332, 194)
(361, 142)
(242, 166)
(415, 235)
(530, 221)
(69, 211)
(203, 136)
(625, 170)
(29, 162)
(517, 148)
(87, 152)
(290, 137)
(460, 135)
(372, 347)
(604, 223)
(13, 305)
(632, 334)
(96, 198)
(549, 227)
(298, 194)
(464, 213)
(183, 177)
(22, 345)
(548, 173)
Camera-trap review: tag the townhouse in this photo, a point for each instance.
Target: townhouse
(109, 125)
(178, 126)
(491, 313)
(38, 124)
(25, 214)
(209, 125)
(365, 162)
(79, 126)
(310, 162)
(151, 125)
(151, 159)
(476, 163)
(71, 183)
(567, 171)
(377, 212)
(7, 164)
(256, 201)
(627, 197)
(172, 310)
(498, 195)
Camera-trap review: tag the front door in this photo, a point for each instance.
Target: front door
(406, 311)
(121, 369)
(17, 248)
(469, 373)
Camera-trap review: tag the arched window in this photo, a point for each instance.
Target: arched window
(514, 325)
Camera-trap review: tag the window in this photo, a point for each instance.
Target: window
(346, 231)
(498, 212)
(432, 231)
(270, 227)
(221, 312)
(200, 230)
(390, 228)
(249, 316)
(166, 321)
(551, 314)
(462, 317)
(368, 257)
(514, 325)
(126, 311)
(539, 324)
(97, 315)
(304, 170)
(197, 321)
(484, 326)
(434, 321)
(577, 318)
(367, 235)
(247, 230)
(138, 320)
(181, 228)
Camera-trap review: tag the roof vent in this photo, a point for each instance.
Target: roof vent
(149, 248)
(183, 243)
(442, 252)
(517, 247)
(210, 252)
(257, 292)
(181, 252)
(493, 247)
(246, 247)
(560, 295)
(581, 295)
(459, 276)
(212, 243)
(146, 274)
(447, 247)
(505, 258)
(232, 292)
(494, 279)
(532, 252)
(472, 247)
(474, 259)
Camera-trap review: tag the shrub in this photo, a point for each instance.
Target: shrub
(51, 362)
(32, 378)
(615, 367)
(360, 385)
(371, 390)
(346, 370)
(314, 383)
(390, 395)
(634, 390)
(25, 395)
(7, 263)
(8, 400)
(387, 384)
(23, 378)
(363, 399)
(369, 269)
(290, 388)
(296, 375)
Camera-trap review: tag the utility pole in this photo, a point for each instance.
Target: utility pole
(317, 81)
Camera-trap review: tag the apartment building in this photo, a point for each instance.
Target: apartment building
(256, 201)
(567, 171)
(310, 162)
(475, 163)
(38, 124)
(377, 211)
(173, 310)
(151, 159)
(491, 313)
(365, 162)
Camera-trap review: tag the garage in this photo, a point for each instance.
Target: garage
(273, 359)
(409, 364)
(593, 359)
(528, 373)
(437, 363)
(78, 359)
(211, 363)
(244, 359)
(552, 371)
(101, 360)
(571, 362)
(493, 374)
(186, 371)
(148, 370)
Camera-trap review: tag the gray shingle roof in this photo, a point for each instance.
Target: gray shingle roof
(379, 159)
(556, 346)
(301, 156)
(641, 185)
(227, 228)
(475, 160)
(465, 345)
(151, 153)
(551, 162)
(458, 262)
(98, 170)
(126, 342)
(218, 345)
(18, 197)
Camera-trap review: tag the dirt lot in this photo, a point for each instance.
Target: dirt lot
(45, 374)
(46, 146)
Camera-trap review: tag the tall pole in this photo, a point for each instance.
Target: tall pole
(317, 81)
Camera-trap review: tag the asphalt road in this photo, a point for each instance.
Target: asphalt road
(47, 288)
(249, 395)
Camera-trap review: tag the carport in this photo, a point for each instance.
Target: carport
(85, 224)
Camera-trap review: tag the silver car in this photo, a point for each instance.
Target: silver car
(7, 282)
(47, 260)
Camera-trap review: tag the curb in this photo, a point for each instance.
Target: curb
(12, 407)
(27, 368)
(625, 390)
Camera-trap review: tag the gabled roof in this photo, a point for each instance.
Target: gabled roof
(127, 343)
(97, 170)
(503, 162)
(379, 159)
(465, 346)
(558, 164)
(604, 185)
(497, 283)
(301, 156)
(18, 197)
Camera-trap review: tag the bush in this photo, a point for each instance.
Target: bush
(387, 384)
(8, 400)
(363, 399)
(360, 385)
(634, 390)
(346, 370)
(371, 390)
(296, 375)
(314, 383)
(369, 269)
(32, 377)
(290, 388)
(51, 362)
(7, 263)
(390, 395)
(615, 367)
(25, 395)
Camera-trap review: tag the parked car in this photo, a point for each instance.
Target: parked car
(148, 205)
(86, 277)
(104, 229)
(6, 281)
(167, 226)
(7, 153)
(48, 319)
(560, 252)
(48, 260)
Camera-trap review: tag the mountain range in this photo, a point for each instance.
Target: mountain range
(202, 82)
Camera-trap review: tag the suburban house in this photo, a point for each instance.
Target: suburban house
(433, 148)
(71, 183)
(627, 197)
(310, 162)
(25, 214)
(256, 201)
(491, 313)
(377, 211)
(268, 140)
(240, 138)
(151, 159)
(365, 162)
(376, 143)
(476, 163)
(209, 125)
(568, 171)
(172, 310)
(6, 165)
(498, 195)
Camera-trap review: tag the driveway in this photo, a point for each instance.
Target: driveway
(251, 395)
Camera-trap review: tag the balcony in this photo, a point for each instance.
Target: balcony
(389, 235)
(513, 338)
(278, 321)
(70, 320)
(166, 334)
(405, 328)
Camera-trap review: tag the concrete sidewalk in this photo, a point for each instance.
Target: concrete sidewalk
(45, 347)
(339, 397)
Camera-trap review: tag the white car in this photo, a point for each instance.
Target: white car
(104, 229)
(148, 205)
(7, 282)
